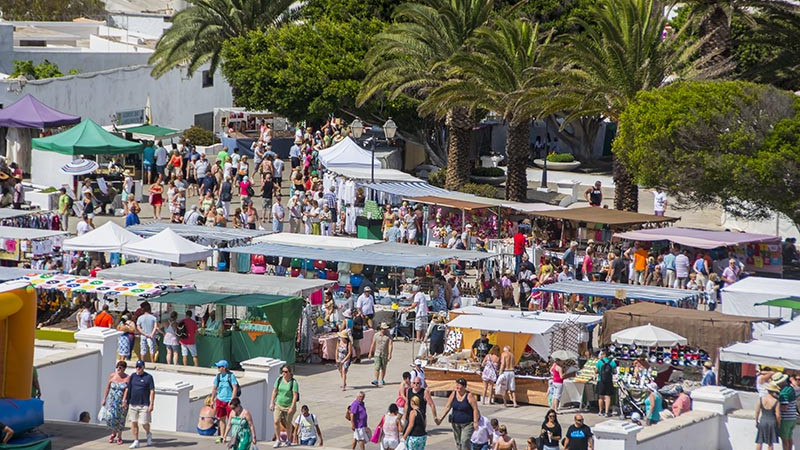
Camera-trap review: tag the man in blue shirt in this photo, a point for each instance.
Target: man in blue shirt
(133, 217)
(294, 153)
(709, 377)
(139, 397)
(148, 162)
(669, 264)
(225, 389)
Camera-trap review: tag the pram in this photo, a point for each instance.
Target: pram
(401, 323)
(630, 399)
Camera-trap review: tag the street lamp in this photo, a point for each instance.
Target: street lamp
(389, 129)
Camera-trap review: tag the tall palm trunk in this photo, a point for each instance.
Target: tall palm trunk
(626, 192)
(716, 25)
(459, 126)
(517, 152)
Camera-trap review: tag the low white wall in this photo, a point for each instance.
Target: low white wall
(700, 433)
(739, 431)
(71, 383)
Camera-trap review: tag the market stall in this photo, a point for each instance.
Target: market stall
(167, 246)
(454, 211)
(24, 118)
(758, 252)
(614, 294)
(29, 245)
(347, 154)
(776, 347)
(109, 237)
(744, 297)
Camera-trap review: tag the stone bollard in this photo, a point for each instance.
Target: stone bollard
(718, 399)
(172, 411)
(615, 435)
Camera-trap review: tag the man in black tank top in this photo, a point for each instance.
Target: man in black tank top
(424, 398)
(594, 195)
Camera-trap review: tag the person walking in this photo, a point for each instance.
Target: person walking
(113, 398)
(505, 382)
(551, 431)
(125, 340)
(140, 399)
(422, 395)
(464, 419)
(358, 421)
(225, 388)
(491, 365)
(768, 418)
(64, 208)
(157, 196)
(415, 435)
(278, 214)
(605, 383)
(381, 350)
(788, 400)
(242, 430)
(653, 404)
(557, 383)
(481, 438)
(594, 194)
(391, 428)
(283, 404)
(306, 428)
(171, 338)
(420, 305)
(187, 329)
(504, 441)
(579, 436)
(344, 356)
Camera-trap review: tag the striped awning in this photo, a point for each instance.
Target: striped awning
(406, 189)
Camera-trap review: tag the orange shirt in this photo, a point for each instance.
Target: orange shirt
(104, 320)
(640, 259)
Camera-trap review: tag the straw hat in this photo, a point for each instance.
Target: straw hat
(772, 387)
(344, 335)
(384, 326)
(127, 173)
(779, 377)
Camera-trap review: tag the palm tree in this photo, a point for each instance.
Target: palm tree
(620, 53)
(411, 57)
(198, 32)
(491, 75)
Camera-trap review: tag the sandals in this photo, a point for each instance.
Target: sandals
(111, 439)
(119, 441)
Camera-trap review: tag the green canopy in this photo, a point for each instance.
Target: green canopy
(787, 302)
(151, 132)
(86, 138)
(192, 297)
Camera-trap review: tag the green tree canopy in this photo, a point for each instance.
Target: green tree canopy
(714, 143)
(51, 10)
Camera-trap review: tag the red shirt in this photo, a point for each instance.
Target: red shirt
(191, 330)
(104, 320)
(519, 243)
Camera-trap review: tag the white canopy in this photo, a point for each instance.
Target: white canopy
(789, 333)
(110, 237)
(763, 352)
(347, 154)
(306, 240)
(585, 319)
(648, 335)
(740, 298)
(506, 325)
(167, 246)
(381, 175)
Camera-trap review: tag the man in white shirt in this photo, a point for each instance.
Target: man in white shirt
(420, 305)
(84, 318)
(161, 159)
(366, 304)
(294, 153)
(659, 202)
(146, 324)
(682, 269)
(278, 214)
(277, 172)
(191, 216)
(83, 226)
(482, 436)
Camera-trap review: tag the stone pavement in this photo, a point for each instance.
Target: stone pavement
(319, 389)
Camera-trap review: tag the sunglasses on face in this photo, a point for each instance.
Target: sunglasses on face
(578, 420)
(551, 415)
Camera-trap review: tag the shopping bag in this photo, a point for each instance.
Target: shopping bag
(401, 446)
(101, 414)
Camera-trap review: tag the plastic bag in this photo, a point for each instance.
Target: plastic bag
(101, 414)
(401, 446)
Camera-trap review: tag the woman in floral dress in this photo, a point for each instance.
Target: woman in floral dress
(115, 413)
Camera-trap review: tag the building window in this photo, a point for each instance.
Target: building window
(208, 79)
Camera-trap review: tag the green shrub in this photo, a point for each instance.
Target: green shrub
(199, 136)
(482, 190)
(488, 172)
(437, 178)
(560, 158)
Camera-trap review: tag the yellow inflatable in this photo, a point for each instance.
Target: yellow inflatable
(17, 330)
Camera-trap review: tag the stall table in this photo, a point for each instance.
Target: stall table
(211, 349)
(530, 390)
(327, 344)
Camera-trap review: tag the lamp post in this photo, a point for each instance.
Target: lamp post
(389, 129)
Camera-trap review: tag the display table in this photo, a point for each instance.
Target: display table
(244, 347)
(329, 341)
(530, 390)
(211, 349)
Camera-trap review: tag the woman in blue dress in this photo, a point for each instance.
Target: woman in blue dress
(115, 413)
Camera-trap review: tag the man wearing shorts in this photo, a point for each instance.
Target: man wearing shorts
(285, 395)
(140, 398)
(420, 305)
(605, 383)
(226, 388)
(506, 382)
(381, 349)
(188, 346)
(146, 324)
(788, 400)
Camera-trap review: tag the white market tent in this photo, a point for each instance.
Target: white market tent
(108, 238)
(648, 335)
(216, 282)
(347, 154)
(770, 353)
(381, 175)
(789, 333)
(167, 246)
(741, 298)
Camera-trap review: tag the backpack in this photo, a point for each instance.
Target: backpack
(250, 191)
(606, 372)
(218, 380)
(181, 330)
(291, 383)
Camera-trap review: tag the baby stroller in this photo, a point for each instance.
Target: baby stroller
(400, 325)
(629, 401)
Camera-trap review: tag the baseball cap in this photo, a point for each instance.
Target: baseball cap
(417, 362)
(636, 417)
(461, 381)
(222, 363)
(140, 363)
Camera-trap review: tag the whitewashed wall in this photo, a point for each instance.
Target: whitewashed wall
(70, 384)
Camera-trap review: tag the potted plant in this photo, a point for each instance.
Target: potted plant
(494, 176)
(559, 161)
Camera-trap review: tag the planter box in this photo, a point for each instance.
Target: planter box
(494, 181)
(562, 166)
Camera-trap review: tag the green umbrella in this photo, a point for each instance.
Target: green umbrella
(786, 302)
(86, 138)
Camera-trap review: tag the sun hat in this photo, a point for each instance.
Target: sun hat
(779, 377)
(344, 334)
(347, 313)
(772, 387)
(417, 362)
(384, 326)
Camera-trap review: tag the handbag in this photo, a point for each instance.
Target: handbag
(376, 435)
(347, 415)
